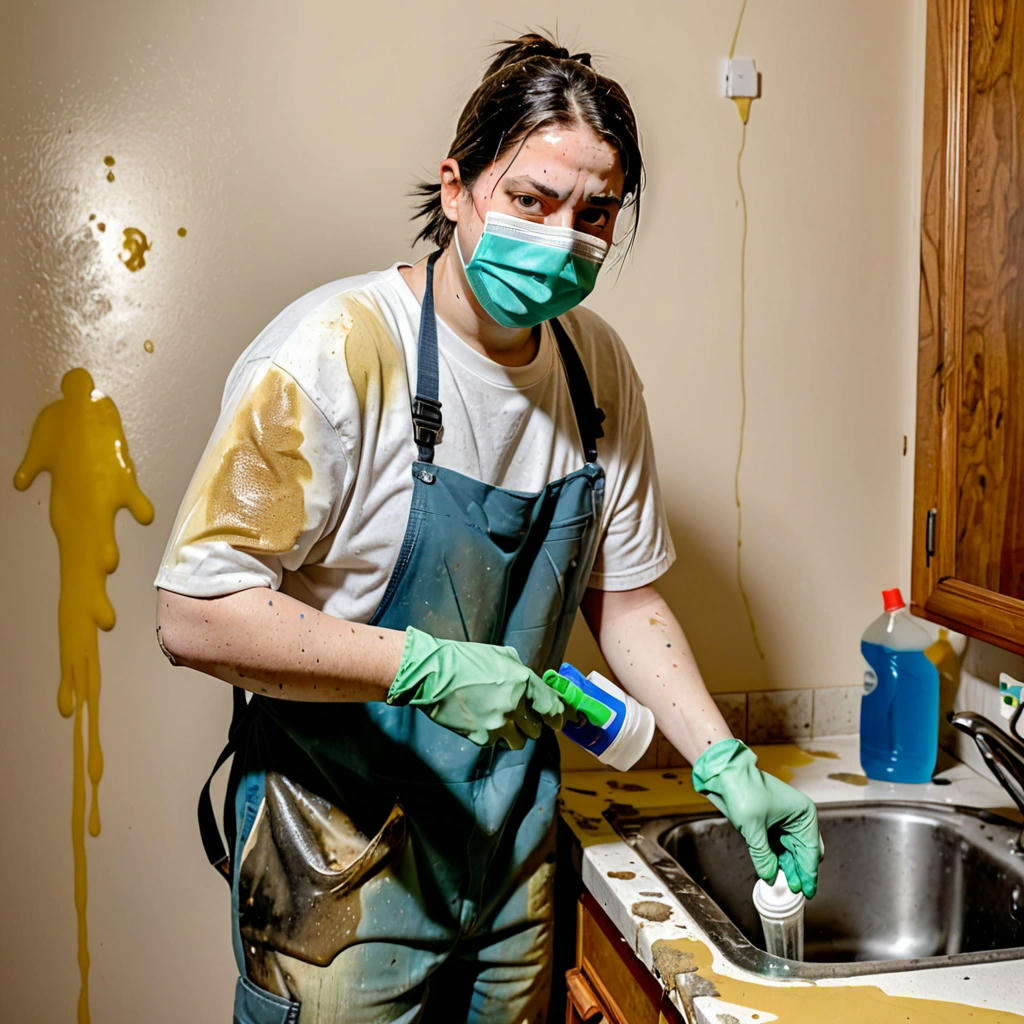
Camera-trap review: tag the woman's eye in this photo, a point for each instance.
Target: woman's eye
(595, 218)
(531, 203)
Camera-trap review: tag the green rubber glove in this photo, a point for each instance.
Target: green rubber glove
(760, 805)
(482, 692)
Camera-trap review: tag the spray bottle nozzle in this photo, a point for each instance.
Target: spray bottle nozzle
(593, 710)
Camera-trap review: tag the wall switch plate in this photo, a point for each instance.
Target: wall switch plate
(741, 78)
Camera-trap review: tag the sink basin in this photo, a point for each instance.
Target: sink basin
(903, 886)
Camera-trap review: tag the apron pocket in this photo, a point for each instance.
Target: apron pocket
(254, 1006)
(301, 872)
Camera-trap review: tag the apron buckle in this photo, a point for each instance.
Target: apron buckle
(427, 429)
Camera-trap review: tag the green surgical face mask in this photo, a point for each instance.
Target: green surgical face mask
(524, 273)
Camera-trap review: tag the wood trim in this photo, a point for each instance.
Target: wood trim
(941, 294)
(978, 612)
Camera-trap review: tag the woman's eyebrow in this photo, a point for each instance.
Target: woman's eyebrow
(525, 181)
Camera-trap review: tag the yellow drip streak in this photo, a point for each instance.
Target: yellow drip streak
(743, 398)
(79, 441)
(736, 34)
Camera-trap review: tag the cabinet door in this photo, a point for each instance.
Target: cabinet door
(968, 562)
(623, 988)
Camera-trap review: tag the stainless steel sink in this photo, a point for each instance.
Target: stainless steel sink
(903, 886)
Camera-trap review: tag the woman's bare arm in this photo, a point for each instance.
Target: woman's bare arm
(274, 645)
(645, 647)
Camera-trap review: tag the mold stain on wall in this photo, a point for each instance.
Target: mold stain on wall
(80, 442)
(136, 245)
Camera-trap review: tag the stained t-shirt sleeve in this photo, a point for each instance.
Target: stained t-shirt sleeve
(264, 493)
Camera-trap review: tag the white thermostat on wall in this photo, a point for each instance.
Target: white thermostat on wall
(741, 78)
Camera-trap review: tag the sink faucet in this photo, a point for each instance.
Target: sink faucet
(1004, 754)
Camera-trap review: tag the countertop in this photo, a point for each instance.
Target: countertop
(828, 770)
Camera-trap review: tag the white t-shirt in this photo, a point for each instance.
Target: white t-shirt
(306, 481)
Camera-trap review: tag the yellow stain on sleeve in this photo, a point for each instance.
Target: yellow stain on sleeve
(798, 1003)
(249, 490)
(80, 442)
(371, 356)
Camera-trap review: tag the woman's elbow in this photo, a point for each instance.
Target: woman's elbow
(175, 631)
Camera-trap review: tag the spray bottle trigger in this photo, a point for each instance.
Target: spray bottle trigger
(593, 710)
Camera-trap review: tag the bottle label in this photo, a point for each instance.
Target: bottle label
(870, 681)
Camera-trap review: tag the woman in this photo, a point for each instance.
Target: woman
(388, 584)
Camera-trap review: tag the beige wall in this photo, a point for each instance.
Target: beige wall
(284, 138)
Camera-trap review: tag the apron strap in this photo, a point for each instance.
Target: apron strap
(427, 429)
(217, 852)
(589, 416)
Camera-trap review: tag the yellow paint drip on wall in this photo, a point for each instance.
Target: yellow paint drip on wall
(837, 1004)
(80, 442)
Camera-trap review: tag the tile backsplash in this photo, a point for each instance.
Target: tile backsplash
(765, 716)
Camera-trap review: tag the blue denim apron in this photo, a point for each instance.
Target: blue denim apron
(387, 869)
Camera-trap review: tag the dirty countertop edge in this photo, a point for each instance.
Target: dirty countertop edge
(618, 877)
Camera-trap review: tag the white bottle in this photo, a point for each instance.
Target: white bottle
(614, 727)
(782, 917)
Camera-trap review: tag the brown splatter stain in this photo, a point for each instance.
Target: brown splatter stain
(80, 442)
(101, 226)
(830, 754)
(109, 161)
(849, 777)
(652, 910)
(373, 361)
(627, 787)
(182, 232)
(624, 810)
(148, 345)
(624, 875)
(583, 792)
(136, 245)
(678, 970)
(110, 176)
(806, 1003)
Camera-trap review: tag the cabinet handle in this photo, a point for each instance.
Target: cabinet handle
(582, 996)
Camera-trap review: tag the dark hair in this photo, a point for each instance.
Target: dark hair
(532, 82)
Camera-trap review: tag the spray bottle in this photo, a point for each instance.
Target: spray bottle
(614, 727)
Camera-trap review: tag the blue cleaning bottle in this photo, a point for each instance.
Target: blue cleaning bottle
(899, 712)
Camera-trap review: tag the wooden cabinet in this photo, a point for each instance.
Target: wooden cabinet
(968, 551)
(610, 984)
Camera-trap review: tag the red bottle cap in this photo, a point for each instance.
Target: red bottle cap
(893, 600)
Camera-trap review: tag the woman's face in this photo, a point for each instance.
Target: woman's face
(568, 177)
